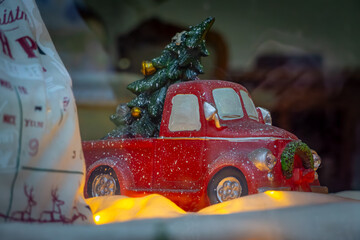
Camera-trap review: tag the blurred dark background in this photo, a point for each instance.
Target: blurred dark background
(299, 59)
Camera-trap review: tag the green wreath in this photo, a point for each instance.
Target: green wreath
(287, 157)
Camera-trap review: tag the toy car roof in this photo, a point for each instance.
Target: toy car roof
(205, 85)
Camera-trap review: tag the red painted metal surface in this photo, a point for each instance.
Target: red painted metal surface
(180, 164)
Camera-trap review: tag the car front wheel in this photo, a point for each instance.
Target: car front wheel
(229, 183)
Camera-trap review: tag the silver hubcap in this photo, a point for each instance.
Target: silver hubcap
(103, 185)
(229, 188)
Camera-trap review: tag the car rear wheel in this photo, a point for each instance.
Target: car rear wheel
(229, 183)
(103, 182)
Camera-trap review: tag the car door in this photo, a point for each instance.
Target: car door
(179, 160)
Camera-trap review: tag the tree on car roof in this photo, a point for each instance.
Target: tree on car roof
(178, 62)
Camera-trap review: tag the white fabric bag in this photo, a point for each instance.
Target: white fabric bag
(41, 164)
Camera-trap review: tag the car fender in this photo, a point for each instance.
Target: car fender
(238, 160)
(120, 167)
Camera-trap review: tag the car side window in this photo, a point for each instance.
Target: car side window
(185, 113)
(249, 105)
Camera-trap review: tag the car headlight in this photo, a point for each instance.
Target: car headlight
(317, 160)
(263, 159)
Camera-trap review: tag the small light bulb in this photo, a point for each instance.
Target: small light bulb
(97, 218)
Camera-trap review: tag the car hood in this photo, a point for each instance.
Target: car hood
(251, 128)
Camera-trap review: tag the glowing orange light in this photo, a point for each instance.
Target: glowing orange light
(120, 208)
(111, 209)
(126, 203)
(275, 194)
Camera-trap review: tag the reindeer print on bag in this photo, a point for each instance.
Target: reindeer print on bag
(25, 215)
(54, 215)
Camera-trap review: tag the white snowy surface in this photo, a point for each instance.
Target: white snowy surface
(307, 216)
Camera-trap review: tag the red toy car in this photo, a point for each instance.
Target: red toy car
(213, 146)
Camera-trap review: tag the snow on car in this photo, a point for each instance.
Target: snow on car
(214, 145)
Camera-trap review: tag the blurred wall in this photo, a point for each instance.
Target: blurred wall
(300, 59)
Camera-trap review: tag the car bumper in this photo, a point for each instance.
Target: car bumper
(315, 189)
(319, 189)
(264, 189)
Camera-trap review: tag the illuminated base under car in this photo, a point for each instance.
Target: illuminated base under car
(315, 189)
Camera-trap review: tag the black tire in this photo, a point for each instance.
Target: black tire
(224, 173)
(98, 173)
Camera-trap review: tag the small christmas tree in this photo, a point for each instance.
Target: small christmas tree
(179, 61)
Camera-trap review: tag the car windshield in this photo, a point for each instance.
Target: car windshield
(228, 103)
